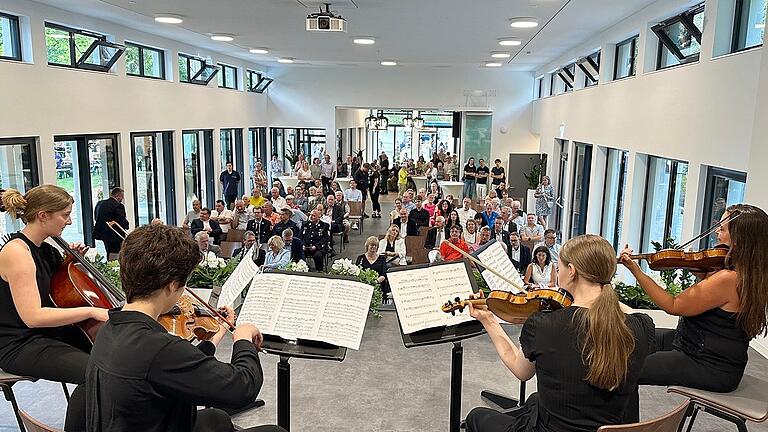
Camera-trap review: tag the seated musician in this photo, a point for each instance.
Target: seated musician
(36, 338)
(587, 357)
(719, 315)
(140, 377)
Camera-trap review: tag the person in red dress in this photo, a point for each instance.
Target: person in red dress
(447, 252)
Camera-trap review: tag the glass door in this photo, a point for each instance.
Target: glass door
(199, 179)
(580, 189)
(257, 143)
(665, 188)
(559, 182)
(724, 188)
(613, 198)
(18, 170)
(153, 185)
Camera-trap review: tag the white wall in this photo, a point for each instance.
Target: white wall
(42, 101)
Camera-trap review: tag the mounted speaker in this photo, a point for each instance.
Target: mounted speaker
(457, 124)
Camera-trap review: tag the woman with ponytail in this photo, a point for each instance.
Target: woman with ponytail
(587, 357)
(719, 315)
(36, 338)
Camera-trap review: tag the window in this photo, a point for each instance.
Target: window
(257, 142)
(724, 188)
(10, 39)
(80, 49)
(195, 70)
(567, 75)
(680, 38)
(665, 188)
(582, 172)
(552, 81)
(626, 58)
(590, 65)
(18, 170)
(539, 87)
(154, 188)
(613, 198)
(252, 79)
(144, 61)
(749, 24)
(199, 178)
(228, 76)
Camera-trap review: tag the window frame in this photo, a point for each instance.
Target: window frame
(622, 190)
(142, 72)
(589, 80)
(686, 20)
(263, 83)
(669, 210)
(633, 63)
(15, 37)
(250, 83)
(709, 191)
(194, 79)
(569, 72)
(223, 71)
(552, 78)
(540, 90)
(100, 40)
(738, 21)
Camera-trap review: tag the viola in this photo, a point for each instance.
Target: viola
(703, 261)
(516, 308)
(188, 320)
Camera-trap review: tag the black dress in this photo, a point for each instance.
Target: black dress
(379, 266)
(565, 401)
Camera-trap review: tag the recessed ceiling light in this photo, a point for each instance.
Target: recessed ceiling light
(259, 51)
(499, 54)
(524, 22)
(388, 63)
(286, 60)
(493, 64)
(364, 40)
(222, 37)
(510, 42)
(169, 19)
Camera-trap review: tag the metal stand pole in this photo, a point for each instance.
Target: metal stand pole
(457, 360)
(284, 393)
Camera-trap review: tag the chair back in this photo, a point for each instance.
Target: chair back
(414, 246)
(32, 425)
(423, 232)
(669, 422)
(227, 247)
(355, 209)
(235, 235)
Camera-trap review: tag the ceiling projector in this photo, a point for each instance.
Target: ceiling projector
(326, 21)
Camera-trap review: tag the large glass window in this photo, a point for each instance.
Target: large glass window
(257, 143)
(680, 38)
(199, 178)
(724, 188)
(613, 197)
(18, 170)
(144, 61)
(665, 189)
(626, 58)
(749, 24)
(153, 183)
(289, 143)
(539, 87)
(195, 70)
(80, 49)
(10, 37)
(582, 172)
(227, 76)
(590, 65)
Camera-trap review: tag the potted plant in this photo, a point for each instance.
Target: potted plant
(211, 272)
(533, 178)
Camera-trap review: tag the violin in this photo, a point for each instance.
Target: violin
(704, 261)
(516, 308)
(188, 320)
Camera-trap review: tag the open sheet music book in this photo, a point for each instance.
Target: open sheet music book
(420, 291)
(492, 255)
(323, 308)
(239, 279)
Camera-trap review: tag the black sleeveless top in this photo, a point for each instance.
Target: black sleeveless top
(715, 338)
(13, 332)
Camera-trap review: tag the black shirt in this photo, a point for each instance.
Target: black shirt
(480, 171)
(379, 266)
(421, 217)
(361, 178)
(565, 399)
(141, 378)
(498, 171)
(469, 169)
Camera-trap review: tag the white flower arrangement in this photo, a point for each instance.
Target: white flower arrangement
(212, 261)
(300, 267)
(345, 267)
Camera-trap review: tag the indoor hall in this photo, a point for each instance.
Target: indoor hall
(640, 125)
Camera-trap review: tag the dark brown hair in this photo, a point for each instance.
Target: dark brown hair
(749, 256)
(153, 256)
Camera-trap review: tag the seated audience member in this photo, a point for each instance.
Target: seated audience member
(500, 235)
(392, 245)
(483, 237)
(444, 209)
(335, 187)
(278, 202)
(319, 199)
(406, 225)
(422, 193)
(277, 256)
(316, 236)
(521, 214)
(430, 205)
(435, 235)
(249, 240)
(297, 216)
(419, 214)
(395, 213)
(271, 214)
(256, 200)
(373, 261)
(339, 214)
(518, 253)
(531, 231)
(506, 220)
(435, 191)
(192, 214)
(300, 199)
(294, 244)
(140, 377)
(240, 216)
(156, 221)
(353, 194)
(466, 212)
(489, 215)
(311, 197)
(447, 252)
(550, 241)
(206, 224)
(541, 271)
(470, 234)
(261, 227)
(479, 221)
(408, 203)
(285, 222)
(451, 220)
(223, 216)
(279, 185)
(205, 245)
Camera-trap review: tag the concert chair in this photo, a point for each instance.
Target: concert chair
(748, 402)
(669, 422)
(7, 381)
(227, 247)
(356, 214)
(235, 235)
(33, 425)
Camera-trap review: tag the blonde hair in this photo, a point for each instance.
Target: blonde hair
(372, 240)
(276, 241)
(45, 198)
(608, 342)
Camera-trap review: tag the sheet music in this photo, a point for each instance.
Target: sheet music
(305, 307)
(420, 293)
(239, 279)
(494, 257)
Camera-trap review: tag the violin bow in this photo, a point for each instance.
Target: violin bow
(480, 263)
(210, 308)
(709, 231)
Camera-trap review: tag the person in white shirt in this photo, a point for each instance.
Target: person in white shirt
(241, 216)
(353, 194)
(531, 232)
(278, 202)
(466, 212)
(223, 216)
(550, 242)
(393, 244)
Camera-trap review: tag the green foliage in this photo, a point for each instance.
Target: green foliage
(534, 175)
(634, 296)
(110, 269)
(207, 277)
(680, 278)
(481, 283)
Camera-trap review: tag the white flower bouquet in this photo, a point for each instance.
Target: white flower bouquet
(299, 267)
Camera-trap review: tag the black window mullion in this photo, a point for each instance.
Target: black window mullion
(141, 61)
(633, 60)
(670, 204)
(620, 196)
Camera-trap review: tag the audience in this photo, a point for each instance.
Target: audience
(205, 224)
(249, 241)
(434, 238)
(550, 242)
(285, 223)
(256, 199)
(451, 220)
(519, 254)
(408, 203)
(353, 194)
(470, 233)
(373, 261)
(483, 237)
(500, 235)
(277, 256)
(192, 214)
(240, 216)
(293, 244)
(447, 252)
(392, 245)
(316, 236)
(532, 232)
(339, 215)
(261, 227)
(204, 243)
(395, 213)
(278, 202)
(223, 216)
(466, 212)
(270, 214)
(541, 272)
(419, 214)
(407, 226)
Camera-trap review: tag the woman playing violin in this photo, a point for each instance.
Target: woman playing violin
(36, 338)
(587, 357)
(718, 315)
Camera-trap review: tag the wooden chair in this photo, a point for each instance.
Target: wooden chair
(33, 425)
(227, 247)
(356, 214)
(235, 235)
(669, 422)
(414, 246)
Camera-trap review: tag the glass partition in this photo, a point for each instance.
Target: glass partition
(613, 198)
(18, 170)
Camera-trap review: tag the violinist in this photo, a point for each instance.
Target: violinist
(587, 357)
(36, 338)
(719, 315)
(140, 377)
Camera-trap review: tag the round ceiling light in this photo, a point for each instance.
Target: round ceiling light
(364, 40)
(258, 51)
(510, 42)
(388, 63)
(493, 64)
(169, 19)
(222, 37)
(286, 60)
(524, 22)
(500, 55)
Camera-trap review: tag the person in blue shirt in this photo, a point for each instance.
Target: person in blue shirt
(230, 182)
(277, 256)
(489, 216)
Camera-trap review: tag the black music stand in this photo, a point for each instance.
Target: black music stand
(304, 349)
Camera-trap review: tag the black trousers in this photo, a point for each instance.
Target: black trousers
(112, 247)
(317, 256)
(326, 185)
(216, 420)
(229, 200)
(375, 200)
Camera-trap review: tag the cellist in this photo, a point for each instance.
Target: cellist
(36, 338)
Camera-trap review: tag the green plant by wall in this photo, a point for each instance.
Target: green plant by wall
(534, 175)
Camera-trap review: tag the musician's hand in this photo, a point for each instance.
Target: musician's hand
(228, 313)
(248, 332)
(79, 248)
(625, 256)
(480, 313)
(99, 314)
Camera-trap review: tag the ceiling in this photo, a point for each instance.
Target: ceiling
(441, 33)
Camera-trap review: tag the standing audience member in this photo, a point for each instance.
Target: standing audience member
(230, 182)
(373, 261)
(304, 174)
(531, 232)
(384, 164)
(499, 177)
(482, 180)
(275, 168)
(223, 216)
(361, 179)
(299, 163)
(110, 210)
(550, 242)
(327, 173)
(450, 168)
(260, 179)
(519, 254)
(374, 188)
(447, 252)
(192, 214)
(541, 272)
(316, 170)
(207, 225)
(469, 178)
(402, 179)
(316, 236)
(545, 199)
